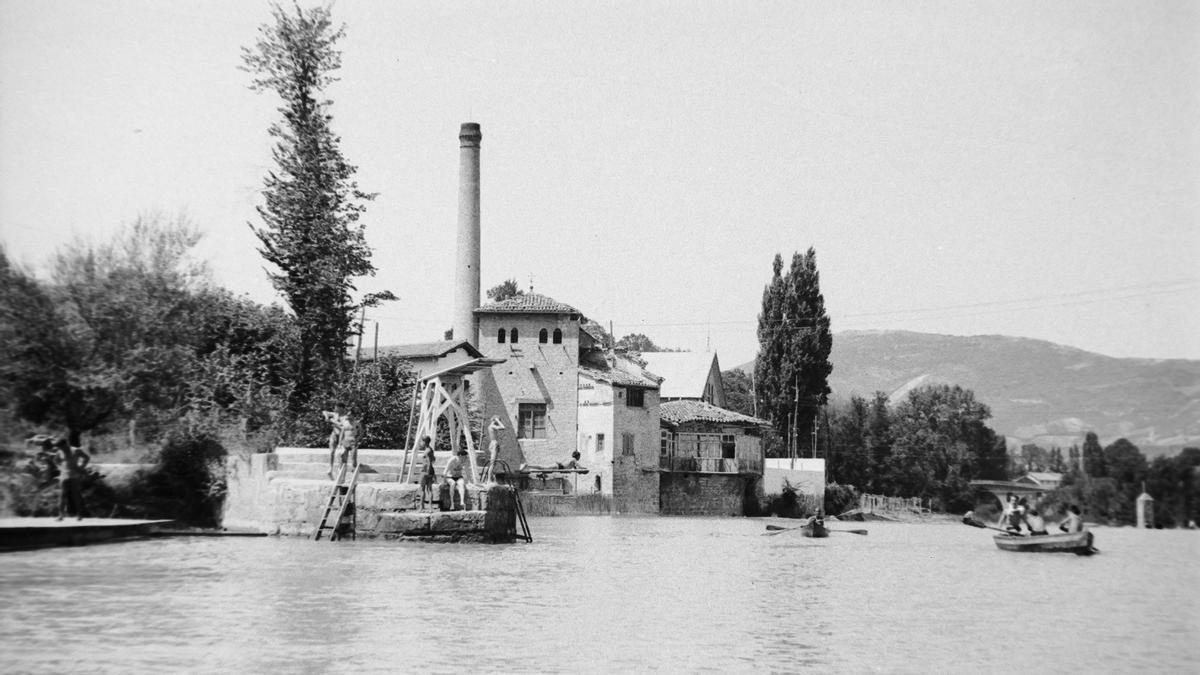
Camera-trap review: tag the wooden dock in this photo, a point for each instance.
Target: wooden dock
(26, 533)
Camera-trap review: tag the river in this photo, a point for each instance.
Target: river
(608, 594)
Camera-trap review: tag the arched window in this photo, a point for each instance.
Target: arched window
(513, 335)
(500, 336)
(558, 336)
(543, 336)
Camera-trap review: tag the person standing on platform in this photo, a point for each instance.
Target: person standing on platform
(428, 472)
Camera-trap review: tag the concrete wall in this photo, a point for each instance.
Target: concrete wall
(808, 475)
(702, 494)
(532, 373)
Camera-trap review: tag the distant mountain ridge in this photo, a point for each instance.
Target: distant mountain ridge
(1039, 392)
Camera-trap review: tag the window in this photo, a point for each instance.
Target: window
(531, 420)
(635, 398)
(599, 443)
(728, 446)
(513, 336)
(558, 336)
(500, 336)
(664, 444)
(543, 336)
(627, 444)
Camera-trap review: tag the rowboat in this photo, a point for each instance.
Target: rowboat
(1079, 543)
(815, 528)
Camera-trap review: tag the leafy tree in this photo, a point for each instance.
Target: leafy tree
(46, 375)
(878, 440)
(792, 368)
(1093, 456)
(940, 435)
(636, 342)
(311, 232)
(504, 290)
(848, 461)
(739, 391)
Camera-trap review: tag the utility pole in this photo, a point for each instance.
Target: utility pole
(358, 349)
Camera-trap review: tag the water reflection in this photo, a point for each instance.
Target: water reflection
(605, 594)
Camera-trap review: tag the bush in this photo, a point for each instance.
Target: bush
(791, 503)
(189, 482)
(840, 498)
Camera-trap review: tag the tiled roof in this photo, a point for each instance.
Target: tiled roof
(428, 349)
(623, 372)
(528, 303)
(684, 373)
(678, 412)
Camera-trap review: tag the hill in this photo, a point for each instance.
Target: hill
(1039, 392)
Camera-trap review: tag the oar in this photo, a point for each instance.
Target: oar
(967, 520)
(776, 529)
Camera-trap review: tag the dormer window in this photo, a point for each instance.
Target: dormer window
(500, 336)
(543, 336)
(513, 335)
(558, 336)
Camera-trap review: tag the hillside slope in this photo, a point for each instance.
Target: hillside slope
(1039, 392)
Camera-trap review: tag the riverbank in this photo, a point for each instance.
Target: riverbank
(30, 533)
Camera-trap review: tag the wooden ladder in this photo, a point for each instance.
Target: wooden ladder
(340, 498)
(525, 533)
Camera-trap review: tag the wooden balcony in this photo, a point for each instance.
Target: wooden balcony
(711, 464)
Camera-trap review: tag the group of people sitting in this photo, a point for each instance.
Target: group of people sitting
(1018, 513)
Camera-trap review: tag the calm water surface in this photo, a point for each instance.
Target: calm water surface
(608, 594)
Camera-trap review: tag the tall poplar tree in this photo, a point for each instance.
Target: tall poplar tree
(792, 369)
(310, 232)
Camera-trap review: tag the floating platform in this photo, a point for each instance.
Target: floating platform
(26, 533)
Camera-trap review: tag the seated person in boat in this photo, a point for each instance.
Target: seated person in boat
(570, 465)
(1035, 522)
(1014, 513)
(1074, 521)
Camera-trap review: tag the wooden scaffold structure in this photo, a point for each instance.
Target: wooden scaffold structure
(443, 394)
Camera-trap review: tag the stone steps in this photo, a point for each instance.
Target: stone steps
(322, 474)
(364, 468)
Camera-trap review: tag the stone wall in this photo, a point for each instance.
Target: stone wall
(259, 500)
(702, 494)
(635, 475)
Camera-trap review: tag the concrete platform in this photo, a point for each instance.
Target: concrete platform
(27, 533)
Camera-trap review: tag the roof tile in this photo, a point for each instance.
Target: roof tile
(678, 412)
(528, 303)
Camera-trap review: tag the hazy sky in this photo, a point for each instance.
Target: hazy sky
(1018, 168)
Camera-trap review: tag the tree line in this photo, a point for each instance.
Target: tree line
(131, 339)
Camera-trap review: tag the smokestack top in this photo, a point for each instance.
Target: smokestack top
(469, 135)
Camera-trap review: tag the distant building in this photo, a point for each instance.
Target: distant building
(535, 392)
(1043, 480)
(711, 459)
(618, 428)
(430, 357)
(688, 375)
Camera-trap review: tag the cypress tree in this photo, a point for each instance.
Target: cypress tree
(310, 232)
(792, 369)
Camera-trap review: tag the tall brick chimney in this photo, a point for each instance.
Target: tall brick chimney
(466, 270)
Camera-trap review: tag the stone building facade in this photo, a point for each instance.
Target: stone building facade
(618, 430)
(534, 392)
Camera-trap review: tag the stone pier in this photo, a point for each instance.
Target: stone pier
(285, 492)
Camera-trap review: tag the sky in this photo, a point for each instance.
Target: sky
(1017, 168)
